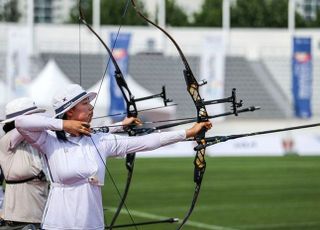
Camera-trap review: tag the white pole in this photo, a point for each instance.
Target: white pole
(291, 17)
(161, 13)
(96, 19)
(96, 14)
(30, 24)
(291, 30)
(226, 15)
(226, 24)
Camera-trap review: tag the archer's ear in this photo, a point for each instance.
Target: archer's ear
(69, 113)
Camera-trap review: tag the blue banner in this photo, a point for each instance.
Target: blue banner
(302, 77)
(120, 45)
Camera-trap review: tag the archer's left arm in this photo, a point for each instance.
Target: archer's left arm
(116, 145)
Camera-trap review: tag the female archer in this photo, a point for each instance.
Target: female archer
(76, 157)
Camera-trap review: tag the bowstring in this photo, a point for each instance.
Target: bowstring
(113, 182)
(80, 58)
(100, 86)
(112, 48)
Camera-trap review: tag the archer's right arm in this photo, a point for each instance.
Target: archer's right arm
(34, 129)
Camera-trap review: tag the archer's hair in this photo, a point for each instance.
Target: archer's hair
(61, 135)
(8, 127)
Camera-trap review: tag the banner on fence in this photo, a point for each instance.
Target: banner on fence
(119, 44)
(302, 77)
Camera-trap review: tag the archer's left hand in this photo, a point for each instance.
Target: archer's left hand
(131, 121)
(197, 127)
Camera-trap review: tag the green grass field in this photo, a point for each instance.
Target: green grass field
(236, 193)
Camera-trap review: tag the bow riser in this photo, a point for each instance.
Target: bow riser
(127, 95)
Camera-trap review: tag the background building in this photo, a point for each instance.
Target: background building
(308, 8)
(47, 11)
(57, 11)
(257, 62)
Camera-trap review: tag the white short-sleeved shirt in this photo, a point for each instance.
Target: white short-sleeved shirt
(77, 169)
(24, 202)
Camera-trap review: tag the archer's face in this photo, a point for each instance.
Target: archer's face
(83, 111)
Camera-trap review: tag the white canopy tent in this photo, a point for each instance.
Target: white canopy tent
(51, 78)
(163, 113)
(4, 99)
(103, 101)
(45, 85)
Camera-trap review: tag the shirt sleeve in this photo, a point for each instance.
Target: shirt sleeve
(116, 127)
(10, 140)
(15, 139)
(34, 128)
(115, 145)
(4, 144)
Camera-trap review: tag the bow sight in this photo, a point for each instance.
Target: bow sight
(232, 99)
(162, 95)
(129, 98)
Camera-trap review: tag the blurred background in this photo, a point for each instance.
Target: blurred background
(267, 49)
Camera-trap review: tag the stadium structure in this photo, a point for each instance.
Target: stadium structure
(257, 63)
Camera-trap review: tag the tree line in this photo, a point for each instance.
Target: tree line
(244, 13)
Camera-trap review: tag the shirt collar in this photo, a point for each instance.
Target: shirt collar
(73, 139)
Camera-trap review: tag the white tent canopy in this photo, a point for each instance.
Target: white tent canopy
(46, 84)
(158, 114)
(51, 78)
(3, 98)
(103, 102)
(4, 94)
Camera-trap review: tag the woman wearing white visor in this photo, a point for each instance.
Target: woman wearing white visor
(75, 157)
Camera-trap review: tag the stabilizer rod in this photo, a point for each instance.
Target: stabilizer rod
(217, 139)
(169, 220)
